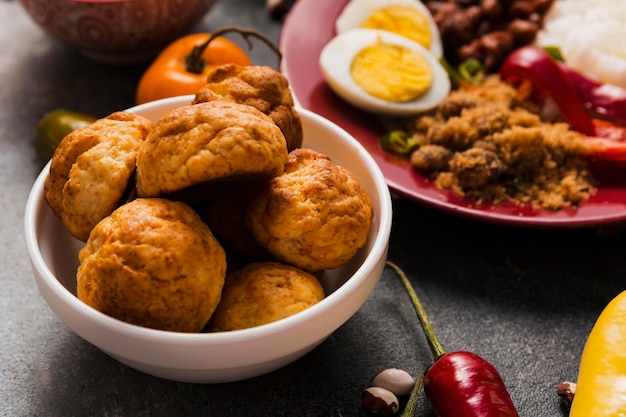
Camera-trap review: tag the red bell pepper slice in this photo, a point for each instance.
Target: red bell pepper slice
(535, 65)
(603, 149)
(606, 100)
(569, 93)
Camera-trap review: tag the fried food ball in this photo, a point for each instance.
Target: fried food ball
(430, 158)
(257, 86)
(197, 149)
(226, 217)
(264, 292)
(315, 216)
(92, 170)
(476, 167)
(154, 263)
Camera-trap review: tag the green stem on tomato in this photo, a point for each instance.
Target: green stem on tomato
(435, 345)
(194, 62)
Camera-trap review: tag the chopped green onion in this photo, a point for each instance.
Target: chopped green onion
(471, 70)
(554, 52)
(398, 142)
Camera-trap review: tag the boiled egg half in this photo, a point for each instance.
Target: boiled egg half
(384, 73)
(409, 18)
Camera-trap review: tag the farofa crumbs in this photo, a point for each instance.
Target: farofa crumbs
(490, 146)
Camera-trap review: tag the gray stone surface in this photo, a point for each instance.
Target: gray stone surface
(523, 299)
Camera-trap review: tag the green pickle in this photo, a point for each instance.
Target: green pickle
(54, 126)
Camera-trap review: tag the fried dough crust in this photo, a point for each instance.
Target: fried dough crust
(258, 86)
(154, 263)
(315, 215)
(264, 292)
(92, 170)
(196, 149)
(226, 216)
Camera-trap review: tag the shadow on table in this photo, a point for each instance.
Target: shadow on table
(75, 379)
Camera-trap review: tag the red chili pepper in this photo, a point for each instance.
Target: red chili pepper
(606, 100)
(533, 64)
(461, 383)
(570, 91)
(464, 384)
(602, 99)
(604, 148)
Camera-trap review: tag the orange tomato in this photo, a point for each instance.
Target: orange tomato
(169, 76)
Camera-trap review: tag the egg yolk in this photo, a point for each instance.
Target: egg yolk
(391, 72)
(403, 20)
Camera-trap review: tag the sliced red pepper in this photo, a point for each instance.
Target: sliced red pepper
(606, 149)
(534, 64)
(571, 92)
(606, 100)
(608, 130)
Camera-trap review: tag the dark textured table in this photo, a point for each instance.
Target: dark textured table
(524, 299)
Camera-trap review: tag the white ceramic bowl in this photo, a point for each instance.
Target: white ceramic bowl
(227, 356)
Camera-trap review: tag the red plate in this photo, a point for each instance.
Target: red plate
(308, 27)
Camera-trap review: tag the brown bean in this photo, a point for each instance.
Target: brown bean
(523, 31)
(492, 9)
(473, 49)
(497, 45)
(542, 6)
(457, 25)
(380, 401)
(521, 9)
(463, 24)
(536, 18)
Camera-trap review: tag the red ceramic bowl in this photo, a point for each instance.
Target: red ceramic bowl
(116, 31)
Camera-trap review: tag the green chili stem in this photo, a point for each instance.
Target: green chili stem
(436, 347)
(411, 405)
(194, 62)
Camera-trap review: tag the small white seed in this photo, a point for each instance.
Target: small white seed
(396, 380)
(380, 401)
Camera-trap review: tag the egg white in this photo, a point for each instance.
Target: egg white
(356, 11)
(336, 58)
(590, 37)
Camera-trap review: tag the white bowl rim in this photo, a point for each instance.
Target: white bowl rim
(379, 247)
